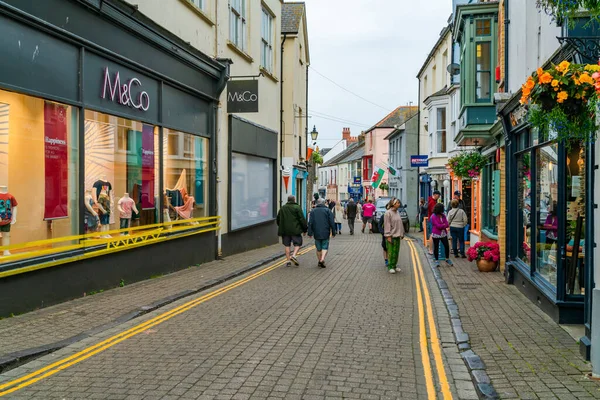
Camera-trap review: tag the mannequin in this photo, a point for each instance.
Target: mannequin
(104, 208)
(91, 216)
(103, 184)
(125, 206)
(8, 215)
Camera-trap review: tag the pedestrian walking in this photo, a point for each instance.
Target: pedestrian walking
(292, 225)
(423, 212)
(431, 203)
(394, 233)
(359, 209)
(338, 216)
(368, 212)
(331, 205)
(384, 244)
(321, 226)
(461, 203)
(351, 212)
(457, 219)
(439, 233)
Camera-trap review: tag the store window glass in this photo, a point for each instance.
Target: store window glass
(484, 71)
(252, 190)
(186, 176)
(121, 173)
(575, 219)
(38, 174)
(547, 218)
(489, 198)
(524, 204)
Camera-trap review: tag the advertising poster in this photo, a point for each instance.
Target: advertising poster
(55, 162)
(148, 167)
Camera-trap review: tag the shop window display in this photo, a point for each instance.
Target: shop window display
(547, 217)
(575, 219)
(39, 152)
(524, 203)
(252, 190)
(186, 176)
(121, 173)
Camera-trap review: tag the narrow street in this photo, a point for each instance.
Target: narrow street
(351, 330)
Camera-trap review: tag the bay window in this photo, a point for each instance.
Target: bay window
(441, 131)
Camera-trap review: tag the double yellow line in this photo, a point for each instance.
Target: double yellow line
(42, 373)
(436, 348)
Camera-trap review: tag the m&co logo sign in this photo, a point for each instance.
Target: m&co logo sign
(242, 96)
(126, 94)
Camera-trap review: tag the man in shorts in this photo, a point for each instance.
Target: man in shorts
(292, 225)
(368, 213)
(321, 225)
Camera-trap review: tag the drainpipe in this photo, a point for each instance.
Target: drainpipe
(307, 141)
(281, 124)
(419, 139)
(506, 52)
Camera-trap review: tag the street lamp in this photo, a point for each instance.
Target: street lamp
(314, 134)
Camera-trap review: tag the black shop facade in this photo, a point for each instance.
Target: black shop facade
(107, 136)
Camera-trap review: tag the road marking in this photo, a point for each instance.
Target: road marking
(86, 353)
(433, 334)
(423, 335)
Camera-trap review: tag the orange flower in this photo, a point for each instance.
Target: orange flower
(540, 71)
(530, 84)
(555, 83)
(562, 96)
(563, 67)
(546, 77)
(586, 78)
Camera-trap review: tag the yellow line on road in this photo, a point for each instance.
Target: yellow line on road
(423, 335)
(433, 333)
(84, 354)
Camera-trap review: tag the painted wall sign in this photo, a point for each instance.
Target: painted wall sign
(56, 153)
(124, 94)
(242, 96)
(418, 161)
(518, 115)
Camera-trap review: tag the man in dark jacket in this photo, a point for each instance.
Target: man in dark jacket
(292, 225)
(321, 225)
(351, 211)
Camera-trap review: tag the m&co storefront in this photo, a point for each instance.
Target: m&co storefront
(106, 136)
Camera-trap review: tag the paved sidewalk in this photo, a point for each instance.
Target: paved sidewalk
(44, 329)
(527, 355)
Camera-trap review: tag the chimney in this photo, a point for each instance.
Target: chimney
(346, 135)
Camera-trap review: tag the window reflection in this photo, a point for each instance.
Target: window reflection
(575, 238)
(548, 220)
(524, 196)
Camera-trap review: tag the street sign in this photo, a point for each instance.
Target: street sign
(418, 161)
(357, 180)
(242, 96)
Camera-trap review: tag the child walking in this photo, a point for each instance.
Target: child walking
(439, 227)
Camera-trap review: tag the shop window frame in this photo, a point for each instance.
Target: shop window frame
(487, 217)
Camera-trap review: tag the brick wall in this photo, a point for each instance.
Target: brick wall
(502, 222)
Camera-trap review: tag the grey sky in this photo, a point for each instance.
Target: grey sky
(373, 48)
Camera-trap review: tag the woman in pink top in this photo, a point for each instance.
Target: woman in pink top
(368, 212)
(439, 233)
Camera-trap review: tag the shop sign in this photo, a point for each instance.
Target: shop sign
(242, 96)
(517, 116)
(124, 94)
(393, 184)
(418, 161)
(357, 180)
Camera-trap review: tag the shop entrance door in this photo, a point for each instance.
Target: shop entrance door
(467, 195)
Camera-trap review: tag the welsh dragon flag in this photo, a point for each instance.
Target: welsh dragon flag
(377, 177)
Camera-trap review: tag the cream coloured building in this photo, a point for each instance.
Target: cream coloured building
(296, 59)
(247, 35)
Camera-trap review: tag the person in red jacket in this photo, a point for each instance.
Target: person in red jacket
(433, 200)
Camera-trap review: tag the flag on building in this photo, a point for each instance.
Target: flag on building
(377, 177)
(392, 170)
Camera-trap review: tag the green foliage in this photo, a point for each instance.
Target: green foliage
(317, 159)
(384, 186)
(569, 10)
(122, 283)
(467, 164)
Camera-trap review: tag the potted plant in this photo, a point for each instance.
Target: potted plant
(486, 254)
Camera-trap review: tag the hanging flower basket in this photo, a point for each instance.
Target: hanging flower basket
(467, 165)
(563, 101)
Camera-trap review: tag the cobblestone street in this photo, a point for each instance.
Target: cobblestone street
(351, 330)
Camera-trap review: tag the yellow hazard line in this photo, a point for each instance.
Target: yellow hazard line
(45, 372)
(436, 347)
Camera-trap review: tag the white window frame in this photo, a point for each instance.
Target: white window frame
(439, 130)
(237, 23)
(267, 39)
(199, 3)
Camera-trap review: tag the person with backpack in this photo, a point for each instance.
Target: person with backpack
(457, 219)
